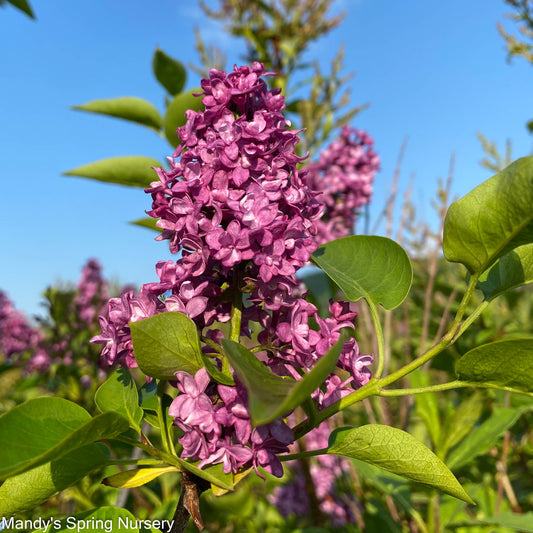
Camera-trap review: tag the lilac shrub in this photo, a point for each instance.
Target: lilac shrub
(17, 335)
(344, 173)
(243, 219)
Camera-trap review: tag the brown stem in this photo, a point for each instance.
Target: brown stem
(189, 503)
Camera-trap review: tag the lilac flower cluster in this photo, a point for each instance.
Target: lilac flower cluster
(344, 174)
(326, 472)
(92, 292)
(16, 333)
(244, 220)
(64, 345)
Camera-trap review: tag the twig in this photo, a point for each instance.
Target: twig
(189, 503)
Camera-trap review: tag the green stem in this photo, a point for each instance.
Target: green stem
(168, 446)
(379, 335)
(421, 390)
(370, 389)
(455, 331)
(138, 462)
(148, 449)
(302, 455)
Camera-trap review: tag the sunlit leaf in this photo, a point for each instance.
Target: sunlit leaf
(26, 491)
(511, 271)
(492, 219)
(507, 363)
(166, 343)
(128, 108)
(363, 266)
(146, 222)
(44, 429)
(138, 477)
(398, 452)
(132, 170)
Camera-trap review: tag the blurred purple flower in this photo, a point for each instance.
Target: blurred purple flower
(344, 174)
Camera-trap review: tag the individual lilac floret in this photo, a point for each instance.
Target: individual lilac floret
(344, 174)
(16, 334)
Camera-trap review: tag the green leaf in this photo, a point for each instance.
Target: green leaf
(511, 271)
(427, 406)
(516, 522)
(272, 396)
(398, 452)
(216, 374)
(137, 477)
(507, 363)
(492, 219)
(119, 394)
(363, 266)
(147, 222)
(461, 422)
(391, 484)
(131, 170)
(44, 429)
(175, 115)
(24, 6)
(480, 439)
(104, 520)
(148, 396)
(128, 108)
(166, 343)
(169, 72)
(31, 488)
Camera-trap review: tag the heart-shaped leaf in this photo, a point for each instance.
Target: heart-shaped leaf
(492, 219)
(272, 396)
(507, 363)
(131, 170)
(128, 108)
(398, 452)
(31, 488)
(119, 394)
(363, 266)
(511, 271)
(44, 429)
(175, 115)
(166, 343)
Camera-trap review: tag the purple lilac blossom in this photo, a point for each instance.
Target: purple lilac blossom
(243, 218)
(344, 174)
(16, 333)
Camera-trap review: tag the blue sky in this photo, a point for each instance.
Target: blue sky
(433, 71)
